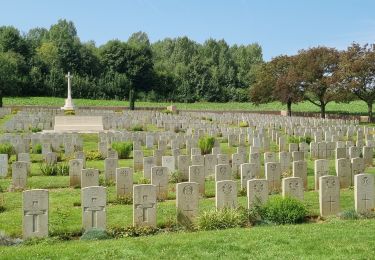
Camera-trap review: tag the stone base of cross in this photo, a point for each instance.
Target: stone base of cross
(68, 104)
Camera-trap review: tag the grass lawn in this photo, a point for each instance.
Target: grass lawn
(354, 107)
(331, 240)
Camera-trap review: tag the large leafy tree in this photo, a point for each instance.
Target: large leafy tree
(319, 69)
(278, 80)
(357, 72)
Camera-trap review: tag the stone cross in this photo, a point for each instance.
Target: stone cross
(69, 102)
(35, 213)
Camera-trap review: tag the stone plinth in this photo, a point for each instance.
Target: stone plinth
(78, 124)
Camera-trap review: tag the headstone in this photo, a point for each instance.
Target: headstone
(187, 200)
(183, 166)
(329, 195)
(3, 165)
(148, 163)
(158, 154)
(159, 178)
(298, 156)
(293, 187)
(226, 194)
(340, 153)
(363, 193)
(35, 213)
(144, 205)
(124, 182)
(149, 141)
(284, 159)
(273, 176)
(321, 168)
(110, 166)
(81, 155)
(344, 172)
(94, 207)
(237, 160)
(197, 160)
(358, 166)
(248, 172)
(257, 192)
(137, 160)
(112, 154)
(89, 177)
(103, 148)
(222, 172)
(169, 162)
(75, 169)
(210, 162)
(19, 175)
(50, 158)
(196, 174)
(300, 171)
(269, 157)
(367, 153)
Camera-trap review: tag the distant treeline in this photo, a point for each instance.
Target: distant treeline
(179, 69)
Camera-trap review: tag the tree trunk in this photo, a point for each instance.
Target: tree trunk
(1, 98)
(131, 99)
(322, 110)
(369, 107)
(289, 105)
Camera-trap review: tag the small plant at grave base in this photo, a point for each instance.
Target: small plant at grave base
(123, 149)
(63, 169)
(287, 210)
(244, 124)
(223, 140)
(48, 169)
(7, 149)
(175, 177)
(15, 111)
(77, 204)
(122, 200)
(35, 129)
(293, 140)
(219, 135)
(222, 219)
(93, 156)
(137, 128)
(306, 139)
(37, 149)
(120, 232)
(206, 144)
(242, 192)
(95, 234)
(9, 241)
(69, 112)
(166, 111)
(144, 180)
(350, 214)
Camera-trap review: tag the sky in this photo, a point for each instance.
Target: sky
(280, 27)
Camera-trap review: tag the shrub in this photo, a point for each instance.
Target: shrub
(166, 111)
(95, 234)
(244, 124)
(55, 169)
(123, 149)
(137, 128)
(37, 149)
(349, 214)
(69, 112)
(287, 210)
(306, 139)
(93, 156)
(222, 219)
(175, 177)
(206, 144)
(293, 140)
(143, 180)
(35, 129)
(122, 200)
(120, 232)
(7, 149)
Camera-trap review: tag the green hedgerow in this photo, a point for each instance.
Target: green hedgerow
(222, 219)
(206, 144)
(287, 210)
(7, 149)
(244, 124)
(123, 149)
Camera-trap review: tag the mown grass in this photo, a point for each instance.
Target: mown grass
(355, 107)
(330, 240)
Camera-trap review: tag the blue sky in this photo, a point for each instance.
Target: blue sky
(280, 27)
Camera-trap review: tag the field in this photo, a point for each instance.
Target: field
(355, 107)
(332, 238)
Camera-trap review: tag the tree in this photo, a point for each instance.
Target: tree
(318, 67)
(357, 72)
(11, 76)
